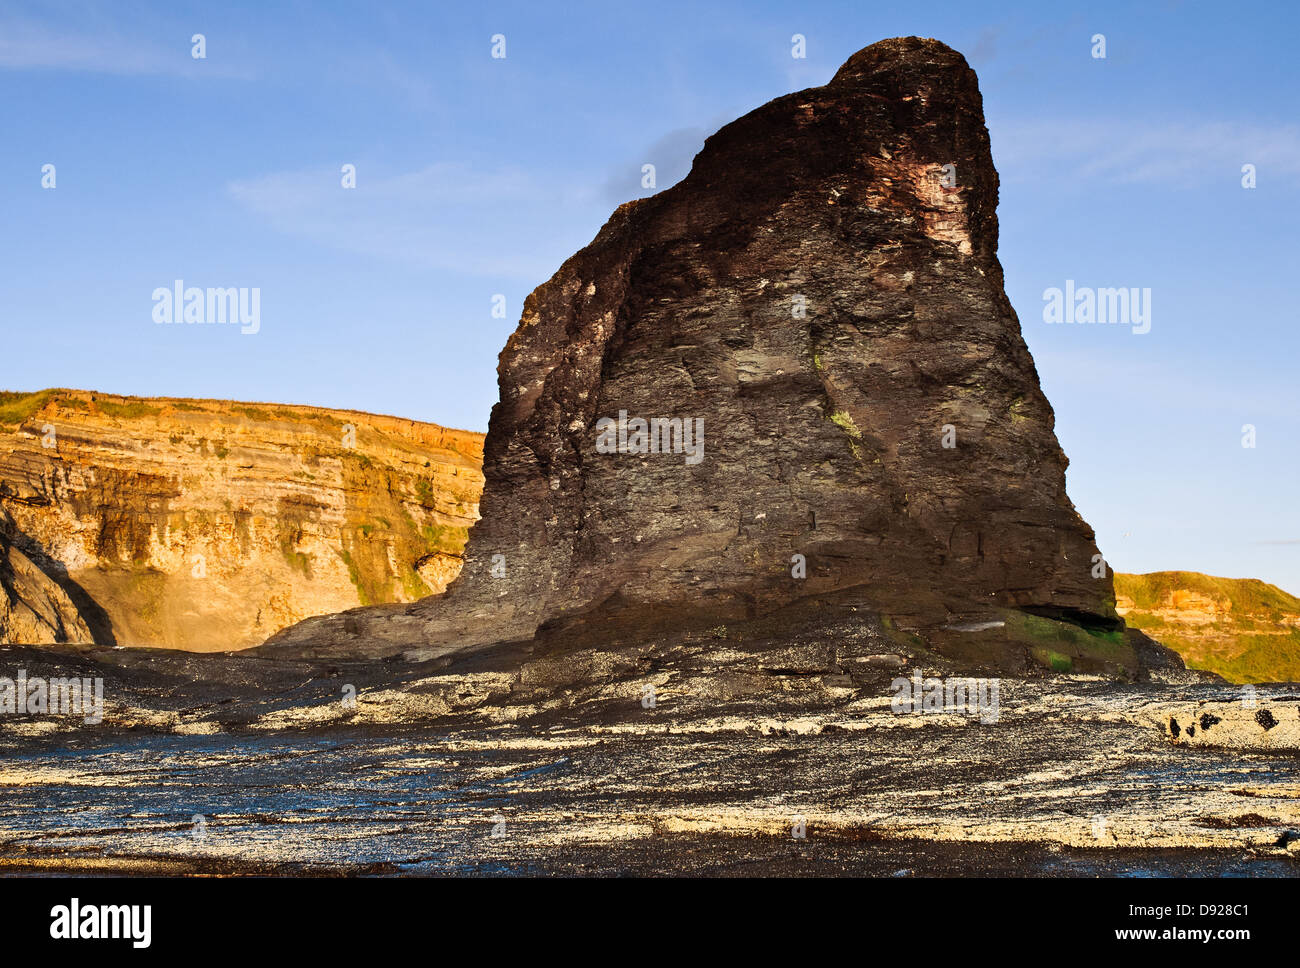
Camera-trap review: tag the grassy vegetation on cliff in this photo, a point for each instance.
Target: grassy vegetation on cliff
(1243, 629)
(1062, 646)
(1246, 595)
(842, 420)
(130, 410)
(16, 407)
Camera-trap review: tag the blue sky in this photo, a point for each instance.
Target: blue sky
(478, 176)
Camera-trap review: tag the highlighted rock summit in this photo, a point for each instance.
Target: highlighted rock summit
(816, 311)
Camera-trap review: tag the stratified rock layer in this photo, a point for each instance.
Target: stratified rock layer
(823, 292)
(34, 608)
(1240, 628)
(209, 525)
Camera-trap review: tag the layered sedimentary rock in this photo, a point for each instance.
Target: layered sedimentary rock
(821, 304)
(209, 525)
(34, 608)
(1240, 628)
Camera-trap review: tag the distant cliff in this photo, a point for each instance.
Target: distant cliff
(1244, 629)
(210, 525)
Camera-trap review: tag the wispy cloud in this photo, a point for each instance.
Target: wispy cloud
(1182, 386)
(985, 49)
(1174, 154)
(433, 217)
(671, 155)
(26, 44)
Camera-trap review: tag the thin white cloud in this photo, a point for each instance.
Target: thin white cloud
(26, 44)
(506, 222)
(1174, 154)
(1181, 387)
(671, 155)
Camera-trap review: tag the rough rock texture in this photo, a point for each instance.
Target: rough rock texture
(34, 608)
(824, 429)
(209, 525)
(1244, 723)
(414, 772)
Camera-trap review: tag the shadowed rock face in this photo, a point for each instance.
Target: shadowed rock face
(831, 307)
(33, 606)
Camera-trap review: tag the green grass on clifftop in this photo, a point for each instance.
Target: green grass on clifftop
(1243, 629)
(1247, 595)
(16, 407)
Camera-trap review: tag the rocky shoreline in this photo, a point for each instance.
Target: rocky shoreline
(270, 768)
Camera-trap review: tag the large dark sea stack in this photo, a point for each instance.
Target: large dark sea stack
(823, 292)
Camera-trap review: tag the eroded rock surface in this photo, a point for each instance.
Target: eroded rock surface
(823, 293)
(1243, 724)
(34, 608)
(482, 763)
(209, 525)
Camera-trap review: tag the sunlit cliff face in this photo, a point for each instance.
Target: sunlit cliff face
(210, 525)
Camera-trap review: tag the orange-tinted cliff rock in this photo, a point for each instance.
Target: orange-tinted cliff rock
(210, 525)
